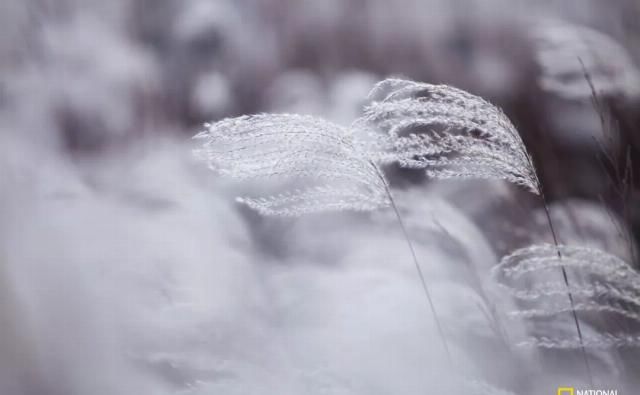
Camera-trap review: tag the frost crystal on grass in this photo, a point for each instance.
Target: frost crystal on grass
(601, 283)
(322, 155)
(447, 132)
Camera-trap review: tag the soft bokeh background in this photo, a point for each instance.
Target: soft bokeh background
(127, 268)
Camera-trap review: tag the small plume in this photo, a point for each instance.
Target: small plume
(601, 283)
(566, 52)
(296, 148)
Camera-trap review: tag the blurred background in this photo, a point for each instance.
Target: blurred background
(126, 268)
(86, 77)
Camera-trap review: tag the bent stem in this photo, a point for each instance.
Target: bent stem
(425, 288)
(566, 282)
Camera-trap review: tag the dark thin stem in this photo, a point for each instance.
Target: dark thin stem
(425, 288)
(566, 282)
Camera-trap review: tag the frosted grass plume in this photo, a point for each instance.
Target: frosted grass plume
(613, 287)
(447, 132)
(321, 154)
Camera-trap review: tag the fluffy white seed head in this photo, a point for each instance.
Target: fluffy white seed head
(319, 154)
(447, 132)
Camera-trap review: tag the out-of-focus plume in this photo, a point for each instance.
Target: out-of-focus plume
(566, 52)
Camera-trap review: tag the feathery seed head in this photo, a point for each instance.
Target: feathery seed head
(447, 132)
(295, 147)
(600, 282)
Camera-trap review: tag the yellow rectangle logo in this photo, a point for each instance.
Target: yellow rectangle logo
(565, 391)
